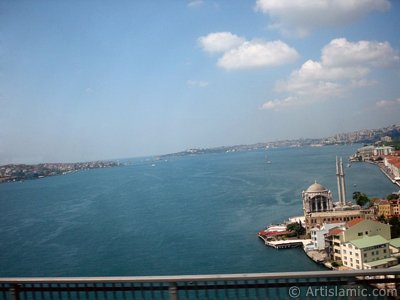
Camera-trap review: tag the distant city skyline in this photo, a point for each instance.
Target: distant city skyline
(85, 81)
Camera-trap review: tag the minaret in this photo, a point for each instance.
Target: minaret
(338, 181)
(342, 182)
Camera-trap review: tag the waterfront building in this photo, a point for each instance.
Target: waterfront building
(384, 150)
(395, 207)
(317, 198)
(394, 246)
(353, 230)
(358, 228)
(365, 153)
(318, 234)
(392, 162)
(315, 219)
(386, 138)
(387, 208)
(383, 208)
(318, 206)
(332, 244)
(368, 252)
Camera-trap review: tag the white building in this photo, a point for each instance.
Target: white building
(385, 150)
(318, 234)
(369, 252)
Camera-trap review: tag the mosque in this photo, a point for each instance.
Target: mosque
(319, 208)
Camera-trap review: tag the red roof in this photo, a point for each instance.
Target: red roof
(335, 231)
(273, 233)
(353, 222)
(382, 201)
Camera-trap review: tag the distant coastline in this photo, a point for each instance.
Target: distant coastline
(20, 172)
(365, 136)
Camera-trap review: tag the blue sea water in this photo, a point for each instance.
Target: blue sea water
(185, 215)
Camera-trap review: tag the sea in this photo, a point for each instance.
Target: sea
(195, 214)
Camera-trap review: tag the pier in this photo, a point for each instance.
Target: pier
(285, 244)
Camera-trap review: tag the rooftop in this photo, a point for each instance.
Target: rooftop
(395, 242)
(380, 262)
(335, 231)
(316, 188)
(369, 241)
(337, 213)
(353, 222)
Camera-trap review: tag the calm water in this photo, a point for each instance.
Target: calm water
(187, 215)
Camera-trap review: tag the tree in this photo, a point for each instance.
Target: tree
(394, 227)
(381, 219)
(360, 198)
(297, 228)
(392, 197)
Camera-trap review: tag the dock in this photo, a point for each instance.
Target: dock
(285, 244)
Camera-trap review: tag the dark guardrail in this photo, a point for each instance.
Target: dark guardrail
(362, 284)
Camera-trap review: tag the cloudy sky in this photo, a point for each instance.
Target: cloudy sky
(86, 80)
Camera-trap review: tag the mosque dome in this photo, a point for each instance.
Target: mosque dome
(316, 188)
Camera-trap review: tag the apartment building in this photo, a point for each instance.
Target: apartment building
(351, 231)
(368, 252)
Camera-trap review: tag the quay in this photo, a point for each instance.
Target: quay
(388, 175)
(284, 244)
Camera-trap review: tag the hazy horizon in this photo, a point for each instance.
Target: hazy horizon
(85, 81)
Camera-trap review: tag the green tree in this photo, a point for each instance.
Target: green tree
(360, 198)
(297, 228)
(394, 227)
(381, 219)
(392, 197)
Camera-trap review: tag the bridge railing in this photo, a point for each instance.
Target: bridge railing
(363, 284)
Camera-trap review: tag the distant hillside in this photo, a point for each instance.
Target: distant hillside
(366, 136)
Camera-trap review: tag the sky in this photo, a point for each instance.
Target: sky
(92, 80)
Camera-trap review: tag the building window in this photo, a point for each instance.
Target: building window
(360, 234)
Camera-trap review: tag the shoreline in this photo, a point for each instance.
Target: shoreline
(384, 170)
(22, 172)
(315, 255)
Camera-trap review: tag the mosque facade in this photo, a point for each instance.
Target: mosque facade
(319, 208)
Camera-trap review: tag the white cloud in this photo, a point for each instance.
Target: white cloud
(195, 3)
(258, 54)
(240, 54)
(220, 42)
(197, 83)
(340, 52)
(299, 17)
(344, 66)
(279, 104)
(388, 103)
(341, 61)
(312, 71)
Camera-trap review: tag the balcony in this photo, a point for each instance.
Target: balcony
(376, 284)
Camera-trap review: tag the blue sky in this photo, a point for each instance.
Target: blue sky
(88, 80)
